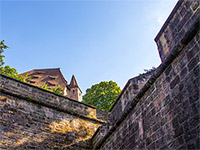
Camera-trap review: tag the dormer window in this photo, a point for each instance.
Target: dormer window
(52, 77)
(73, 91)
(32, 82)
(34, 77)
(40, 72)
(50, 84)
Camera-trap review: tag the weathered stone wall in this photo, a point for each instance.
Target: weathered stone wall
(171, 35)
(164, 114)
(131, 89)
(33, 118)
(102, 115)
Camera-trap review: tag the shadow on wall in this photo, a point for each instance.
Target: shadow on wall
(29, 126)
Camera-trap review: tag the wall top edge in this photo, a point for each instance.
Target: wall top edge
(47, 91)
(178, 4)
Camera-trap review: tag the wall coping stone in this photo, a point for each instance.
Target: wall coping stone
(168, 19)
(47, 91)
(49, 105)
(127, 84)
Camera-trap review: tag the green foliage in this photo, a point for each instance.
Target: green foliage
(57, 90)
(2, 48)
(23, 78)
(7, 70)
(91, 116)
(102, 95)
(44, 86)
(148, 70)
(12, 72)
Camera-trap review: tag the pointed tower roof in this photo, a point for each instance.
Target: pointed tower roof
(73, 83)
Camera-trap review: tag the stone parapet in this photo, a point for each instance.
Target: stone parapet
(46, 98)
(177, 27)
(129, 92)
(102, 115)
(33, 118)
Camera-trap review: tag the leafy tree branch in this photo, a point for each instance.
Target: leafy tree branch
(102, 95)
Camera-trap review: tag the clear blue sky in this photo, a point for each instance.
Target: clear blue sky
(97, 40)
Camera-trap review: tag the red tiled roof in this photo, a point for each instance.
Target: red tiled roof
(52, 77)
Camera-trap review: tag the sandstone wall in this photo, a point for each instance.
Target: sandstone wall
(131, 89)
(33, 118)
(164, 114)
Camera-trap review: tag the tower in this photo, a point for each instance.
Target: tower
(75, 91)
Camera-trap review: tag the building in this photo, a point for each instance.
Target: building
(53, 78)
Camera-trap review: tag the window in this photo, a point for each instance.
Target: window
(34, 77)
(50, 84)
(32, 82)
(51, 77)
(40, 72)
(73, 92)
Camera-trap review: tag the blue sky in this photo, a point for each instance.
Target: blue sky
(97, 40)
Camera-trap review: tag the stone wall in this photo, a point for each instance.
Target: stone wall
(131, 89)
(172, 34)
(157, 110)
(33, 118)
(164, 113)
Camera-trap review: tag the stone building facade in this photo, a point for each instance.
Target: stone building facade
(54, 78)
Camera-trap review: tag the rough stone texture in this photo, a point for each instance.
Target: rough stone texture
(131, 89)
(102, 115)
(182, 18)
(164, 114)
(32, 118)
(28, 91)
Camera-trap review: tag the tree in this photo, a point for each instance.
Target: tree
(7, 70)
(57, 90)
(12, 72)
(102, 95)
(2, 48)
(149, 70)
